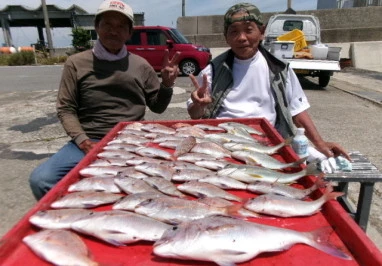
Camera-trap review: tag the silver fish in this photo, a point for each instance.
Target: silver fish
(154, 153)
(154, 169)
(95, 184)
(58, 219)
(211, 148)
(177, 210)
(100, 170)
(140, 160)
(249, 129)
(189, 174)
(116, 154)
(121, 146)
(60, 247)
(212, 164)
(227, 137)
(227, 241)
(209, 127)
(129, 139)
(120, 227)
(167, 138)
(257, 146)
(265, 160)
(220, 202)
(200, 189)
(282, 206)
(158, 128)
(195, 156)
(132, 172)
(107, 163)
(85, 199)
(252, 173)
(165, 186)
(261, 187)
(131, 185)
(171, 144)
(224, 182)
(130, 201)
(134, 125)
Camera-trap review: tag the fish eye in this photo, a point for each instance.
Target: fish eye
(174, 228)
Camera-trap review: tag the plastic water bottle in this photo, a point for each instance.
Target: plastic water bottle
(300, 143)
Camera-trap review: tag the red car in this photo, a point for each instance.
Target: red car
(151, 41)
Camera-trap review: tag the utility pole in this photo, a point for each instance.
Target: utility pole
(183, 8)
(289, 4)
(47, 27)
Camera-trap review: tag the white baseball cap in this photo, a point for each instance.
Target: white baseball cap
(118, 6)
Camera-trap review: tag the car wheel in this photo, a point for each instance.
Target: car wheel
(188, 67)
(323, 78)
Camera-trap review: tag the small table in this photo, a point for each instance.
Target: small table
(367, 175)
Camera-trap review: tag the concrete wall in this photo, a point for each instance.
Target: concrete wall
(337, 26)
(358, 31)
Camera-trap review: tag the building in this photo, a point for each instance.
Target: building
(331, 4)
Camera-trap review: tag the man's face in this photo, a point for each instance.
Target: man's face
(244, 37)
(113, 31)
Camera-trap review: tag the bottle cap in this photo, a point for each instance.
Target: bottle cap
(300, 130)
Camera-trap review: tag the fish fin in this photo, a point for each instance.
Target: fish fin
(256, 176)
(299, 161)
(320, 240)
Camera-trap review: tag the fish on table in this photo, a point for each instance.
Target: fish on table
(227, 241)
(119, 228)
(58, 219)
(59, 247)
(95, 184)
(177, 210)
(265, 160)
(261, 187)
(202, 189)
(252, 173)
(130, 201)
(85, 199)
(281, 206)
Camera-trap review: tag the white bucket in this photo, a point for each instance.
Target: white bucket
(319, 51)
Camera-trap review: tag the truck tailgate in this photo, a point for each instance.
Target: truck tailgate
(309, 64)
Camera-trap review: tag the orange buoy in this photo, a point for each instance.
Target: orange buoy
(7, 50)
(25, 49)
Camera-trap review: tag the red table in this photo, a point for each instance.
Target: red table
(347, 235)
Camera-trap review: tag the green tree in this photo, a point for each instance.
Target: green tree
(81, 39)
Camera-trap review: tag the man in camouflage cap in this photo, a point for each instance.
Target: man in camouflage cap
(248, 81)
(253, 12)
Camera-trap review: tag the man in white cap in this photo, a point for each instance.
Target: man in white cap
(101, 87)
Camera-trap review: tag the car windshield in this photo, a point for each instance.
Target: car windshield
(178, 37)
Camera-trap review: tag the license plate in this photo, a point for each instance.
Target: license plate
(301, 71)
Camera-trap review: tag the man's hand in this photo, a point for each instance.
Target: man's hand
(170, 70)
(87, 145)
(200, 95)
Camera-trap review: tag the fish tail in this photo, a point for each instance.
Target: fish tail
(319, 239)
(320, 182)
(234, 210)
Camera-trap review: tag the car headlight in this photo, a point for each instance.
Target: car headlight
(203, 49)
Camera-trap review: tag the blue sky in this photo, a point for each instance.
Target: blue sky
(157, 12)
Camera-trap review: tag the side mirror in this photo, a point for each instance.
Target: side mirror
(170, 43)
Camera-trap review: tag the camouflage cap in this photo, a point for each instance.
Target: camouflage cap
(253, 12)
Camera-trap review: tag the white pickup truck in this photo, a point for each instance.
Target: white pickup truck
(322, 68)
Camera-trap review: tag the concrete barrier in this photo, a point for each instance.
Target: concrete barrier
(367, 55)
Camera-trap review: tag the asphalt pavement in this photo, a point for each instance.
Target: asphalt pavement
(348, 111)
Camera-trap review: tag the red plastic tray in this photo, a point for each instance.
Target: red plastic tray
(347, 235)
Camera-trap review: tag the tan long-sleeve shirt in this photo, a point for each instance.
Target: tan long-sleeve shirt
(95, 95)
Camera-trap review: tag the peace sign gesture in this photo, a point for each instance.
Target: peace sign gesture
(170, 70)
